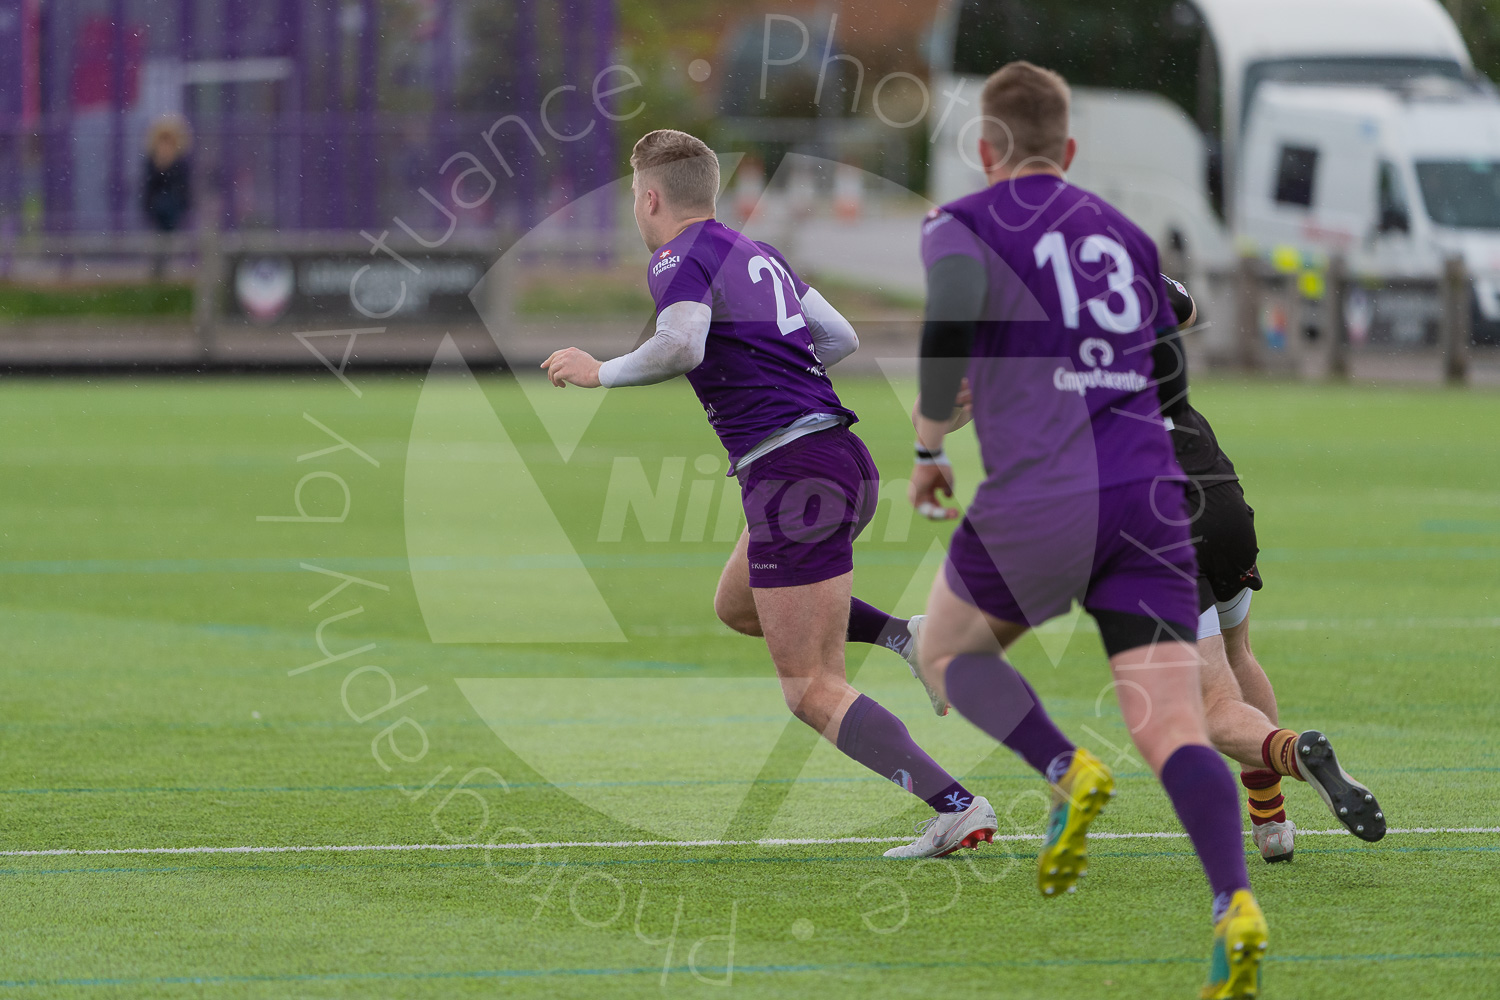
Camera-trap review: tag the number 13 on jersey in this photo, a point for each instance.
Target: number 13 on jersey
(1052, 249)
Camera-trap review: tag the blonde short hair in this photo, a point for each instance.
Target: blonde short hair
(1032, 102)
(683, 166)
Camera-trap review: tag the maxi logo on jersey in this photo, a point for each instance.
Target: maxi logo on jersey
(1098, 355)
(935, 217)
(665, 260)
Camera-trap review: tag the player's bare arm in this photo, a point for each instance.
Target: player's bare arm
(963, 410)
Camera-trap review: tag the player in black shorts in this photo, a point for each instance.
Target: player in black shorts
(1237, 696)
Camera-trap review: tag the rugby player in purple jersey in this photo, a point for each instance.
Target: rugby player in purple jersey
(754, 342)
(1049, 301)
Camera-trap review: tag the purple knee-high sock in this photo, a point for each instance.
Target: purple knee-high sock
(1202, 791)
(991, 694)
(879, 741)
(868, 623)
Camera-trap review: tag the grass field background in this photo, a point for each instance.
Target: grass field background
(151, 622)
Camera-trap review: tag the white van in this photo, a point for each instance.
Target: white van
(1397, 179)
(1165, 111)
(1161, 103)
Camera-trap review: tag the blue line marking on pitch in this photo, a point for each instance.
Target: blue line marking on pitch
(654, 970)
(624, 560)
(400, 564)
(1461, 527)
(680, 783)
(1000, 855)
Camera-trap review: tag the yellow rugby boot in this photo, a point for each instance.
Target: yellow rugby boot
(1239, 946)
(1077, 801)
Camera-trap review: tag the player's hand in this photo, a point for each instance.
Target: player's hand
(927, 481)
(572, 365)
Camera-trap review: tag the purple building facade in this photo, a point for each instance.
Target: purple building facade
(306, 114)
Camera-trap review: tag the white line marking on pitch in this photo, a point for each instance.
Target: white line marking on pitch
(547, 845)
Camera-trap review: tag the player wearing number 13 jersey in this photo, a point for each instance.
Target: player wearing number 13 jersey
(1049, 301)
(753, 339)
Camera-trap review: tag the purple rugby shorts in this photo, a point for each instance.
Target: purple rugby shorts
(805, 503)
(1125, 548)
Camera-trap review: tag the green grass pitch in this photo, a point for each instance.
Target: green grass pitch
(150, 623)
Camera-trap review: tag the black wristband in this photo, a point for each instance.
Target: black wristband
(926, 456)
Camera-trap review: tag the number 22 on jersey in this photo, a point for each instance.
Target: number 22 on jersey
(760, 266)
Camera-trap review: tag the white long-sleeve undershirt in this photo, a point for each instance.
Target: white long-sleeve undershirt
(833, 336)
(681, 339)
(676, 348)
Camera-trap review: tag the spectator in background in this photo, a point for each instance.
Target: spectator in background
(167, 194)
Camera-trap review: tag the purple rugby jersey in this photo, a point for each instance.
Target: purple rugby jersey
(1061, 370)
(760, 371)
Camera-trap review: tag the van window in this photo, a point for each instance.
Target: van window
(1464, 194)
(1294, 175)
(1395, 216)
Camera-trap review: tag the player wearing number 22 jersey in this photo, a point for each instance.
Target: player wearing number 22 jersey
(808, 484)
(753, 339)
(760, 372)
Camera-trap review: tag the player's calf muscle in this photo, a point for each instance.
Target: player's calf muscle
(818, 701)
(805, 629)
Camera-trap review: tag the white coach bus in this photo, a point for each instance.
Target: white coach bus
(1328, 126)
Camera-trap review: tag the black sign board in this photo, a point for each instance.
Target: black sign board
(351, 286)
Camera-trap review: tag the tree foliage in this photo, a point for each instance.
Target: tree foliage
(1479, 22)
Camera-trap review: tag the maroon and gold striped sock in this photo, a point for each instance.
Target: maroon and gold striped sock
(1278, 752)
(1266, 801)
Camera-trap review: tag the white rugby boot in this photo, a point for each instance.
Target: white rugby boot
(1274, 840)
(948, 832)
